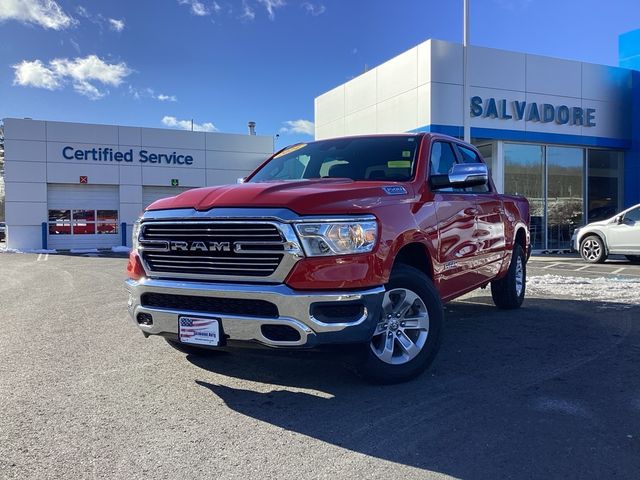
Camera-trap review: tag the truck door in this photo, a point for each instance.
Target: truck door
(456, 224)
(490, 227)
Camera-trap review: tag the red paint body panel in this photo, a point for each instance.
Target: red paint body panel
(467, 237)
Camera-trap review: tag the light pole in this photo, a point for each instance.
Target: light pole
(466, 131)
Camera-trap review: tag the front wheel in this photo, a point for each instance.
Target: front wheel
(592, 250)
(508, 292)
(407, 336)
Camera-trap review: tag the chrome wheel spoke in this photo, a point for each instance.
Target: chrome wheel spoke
(380, 328)
(407, 345)
(419, 321)
(387, 350)
(406, 304)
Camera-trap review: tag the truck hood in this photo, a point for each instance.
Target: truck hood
(305, 197)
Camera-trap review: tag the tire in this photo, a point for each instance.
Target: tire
(413, 335)
(508, 292)
(187, 349)
(633, 258)
(592, 249)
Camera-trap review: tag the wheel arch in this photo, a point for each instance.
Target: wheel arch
(415, 252)
(593, 233)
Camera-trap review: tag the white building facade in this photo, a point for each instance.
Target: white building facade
(557, 131)
(72, 186)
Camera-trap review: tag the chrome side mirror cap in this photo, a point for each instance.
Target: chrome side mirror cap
(468, 175)
(461, 175)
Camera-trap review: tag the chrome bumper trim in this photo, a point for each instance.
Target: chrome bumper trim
(294, 309)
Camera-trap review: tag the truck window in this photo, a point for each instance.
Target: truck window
(385, 158)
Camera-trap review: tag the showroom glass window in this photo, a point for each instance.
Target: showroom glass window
(603, 184)
(565, 178)
(524, 175)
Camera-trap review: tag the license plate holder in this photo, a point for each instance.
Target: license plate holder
(199, 330)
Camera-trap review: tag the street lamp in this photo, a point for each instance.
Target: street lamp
(466, 130)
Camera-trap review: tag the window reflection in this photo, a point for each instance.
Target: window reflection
(565, 167)
(604, 168)
(83, 222)
(524, 175)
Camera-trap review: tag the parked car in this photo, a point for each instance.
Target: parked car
(355, 241)
(3, 231)
(619, 234)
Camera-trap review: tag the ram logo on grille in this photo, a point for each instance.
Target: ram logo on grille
(200, 246)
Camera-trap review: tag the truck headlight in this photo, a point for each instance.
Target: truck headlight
(135, 232)
(337, 238)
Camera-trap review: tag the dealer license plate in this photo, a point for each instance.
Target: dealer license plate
(199, 330)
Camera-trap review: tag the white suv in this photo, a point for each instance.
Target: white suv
(619, 234)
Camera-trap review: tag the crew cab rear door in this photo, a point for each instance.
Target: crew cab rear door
(490, 226)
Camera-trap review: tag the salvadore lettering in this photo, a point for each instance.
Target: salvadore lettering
(532, 112)
(106, 154)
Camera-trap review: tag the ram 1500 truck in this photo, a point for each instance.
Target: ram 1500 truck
(357, 240)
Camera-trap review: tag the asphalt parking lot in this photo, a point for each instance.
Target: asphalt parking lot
(549, 391)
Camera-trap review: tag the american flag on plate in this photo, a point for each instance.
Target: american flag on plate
(198, 330)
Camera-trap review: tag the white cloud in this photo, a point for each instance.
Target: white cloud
(304, 127)
(247, 12)
(314, 10)
(198, 8)
(81, 72)
(35, 74)
(271, 6)
(173, 122)
(115, 24)
(139, 94)
(45, 13)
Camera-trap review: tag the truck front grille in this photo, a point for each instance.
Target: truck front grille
(207, 249)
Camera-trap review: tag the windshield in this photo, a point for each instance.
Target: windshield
(385, 158)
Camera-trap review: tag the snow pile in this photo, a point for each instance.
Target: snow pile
(615, 289)
(16, 250)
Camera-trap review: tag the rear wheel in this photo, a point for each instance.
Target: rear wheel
(592, 250)
(633, 258)
(407, 336)
(508, 292)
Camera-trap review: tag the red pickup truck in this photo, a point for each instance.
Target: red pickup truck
(356, 240)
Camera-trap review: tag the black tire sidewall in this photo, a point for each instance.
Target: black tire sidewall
(503, 291)
(378, 371)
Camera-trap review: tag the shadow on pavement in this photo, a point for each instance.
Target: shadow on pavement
(551, 390)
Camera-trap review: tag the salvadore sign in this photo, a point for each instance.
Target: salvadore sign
(532, 112)
(107, 154)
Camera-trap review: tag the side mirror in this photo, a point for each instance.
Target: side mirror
(462, 175)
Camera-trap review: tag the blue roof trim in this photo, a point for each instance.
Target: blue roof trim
(522, 136)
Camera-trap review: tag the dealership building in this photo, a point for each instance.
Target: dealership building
(563, 133)
(77, 186)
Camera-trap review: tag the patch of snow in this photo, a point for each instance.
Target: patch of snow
(120, 249)
(615, 289)
(16, 250)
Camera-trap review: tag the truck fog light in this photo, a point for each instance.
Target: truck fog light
(144, 319)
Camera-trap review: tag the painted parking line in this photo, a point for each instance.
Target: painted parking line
(553, 265)
(617, 271)
(42, 257)
(582, 268)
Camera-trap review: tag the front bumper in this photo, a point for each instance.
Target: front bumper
(294, 311)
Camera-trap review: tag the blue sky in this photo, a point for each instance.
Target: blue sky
(161, 63)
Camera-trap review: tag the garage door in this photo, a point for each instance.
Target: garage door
(83, 216)
(151, 194)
